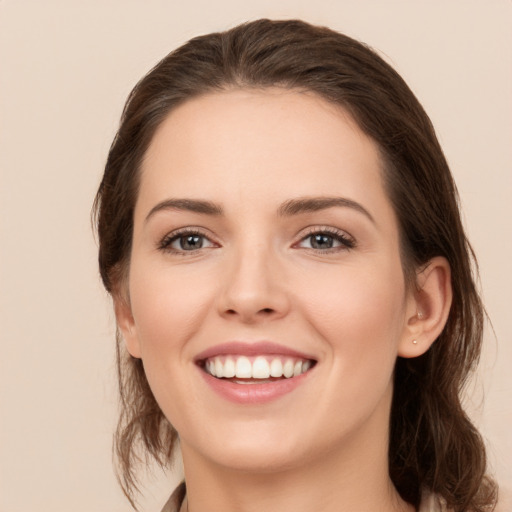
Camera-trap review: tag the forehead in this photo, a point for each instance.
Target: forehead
(260, 145)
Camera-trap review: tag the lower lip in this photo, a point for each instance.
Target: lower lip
(253, 393)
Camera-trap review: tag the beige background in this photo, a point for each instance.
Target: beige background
(65, 70)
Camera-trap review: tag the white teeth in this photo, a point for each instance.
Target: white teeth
(276, 368)
(288, 368)
(219, 368)
(243, 369)
(229, 368)
(261, 367)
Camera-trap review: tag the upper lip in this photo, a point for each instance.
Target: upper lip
(251, 349)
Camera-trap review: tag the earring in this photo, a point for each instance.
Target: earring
(420, 315)
(415, 342)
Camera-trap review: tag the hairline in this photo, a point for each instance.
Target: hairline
(343, 108)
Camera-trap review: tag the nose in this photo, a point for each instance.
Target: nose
(254, 288)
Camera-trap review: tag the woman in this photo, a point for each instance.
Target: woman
(293, 288)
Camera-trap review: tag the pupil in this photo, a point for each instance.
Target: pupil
(191, 242)
(321, 242)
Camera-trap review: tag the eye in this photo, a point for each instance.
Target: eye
(185, 241)
(326, 240)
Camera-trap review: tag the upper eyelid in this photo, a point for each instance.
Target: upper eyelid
(303, 233)
(197, 230)
(165, 241)
(346, 239)
(331, 230)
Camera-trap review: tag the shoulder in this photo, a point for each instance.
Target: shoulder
(432, 503)
(174, 502)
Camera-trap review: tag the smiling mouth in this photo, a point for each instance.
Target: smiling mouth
(255, 370)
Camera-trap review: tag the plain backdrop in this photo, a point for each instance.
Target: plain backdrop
(66, 68)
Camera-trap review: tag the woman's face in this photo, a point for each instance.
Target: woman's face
(264, 243)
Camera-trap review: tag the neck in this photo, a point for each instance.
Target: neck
(348, 478)
(289, 492)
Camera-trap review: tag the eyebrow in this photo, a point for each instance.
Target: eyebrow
(313, 204)
(288, 208)
(191, 205)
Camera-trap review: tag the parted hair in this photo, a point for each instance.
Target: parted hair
(433, 445)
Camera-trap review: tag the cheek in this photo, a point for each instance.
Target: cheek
(360, 320)
(168, 307)
(360, 312)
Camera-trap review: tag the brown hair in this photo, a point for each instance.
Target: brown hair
(433, 444)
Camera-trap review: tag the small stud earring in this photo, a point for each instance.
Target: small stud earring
(415, 342)
(420, 315)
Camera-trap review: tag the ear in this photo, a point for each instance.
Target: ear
(428, 308)
(126, 325)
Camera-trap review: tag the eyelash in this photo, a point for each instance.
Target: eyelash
(166, 242)
(346, 241)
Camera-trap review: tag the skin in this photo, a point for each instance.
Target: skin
(258, 277)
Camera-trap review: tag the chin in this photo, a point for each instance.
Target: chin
(258, 459)
(255, 448)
